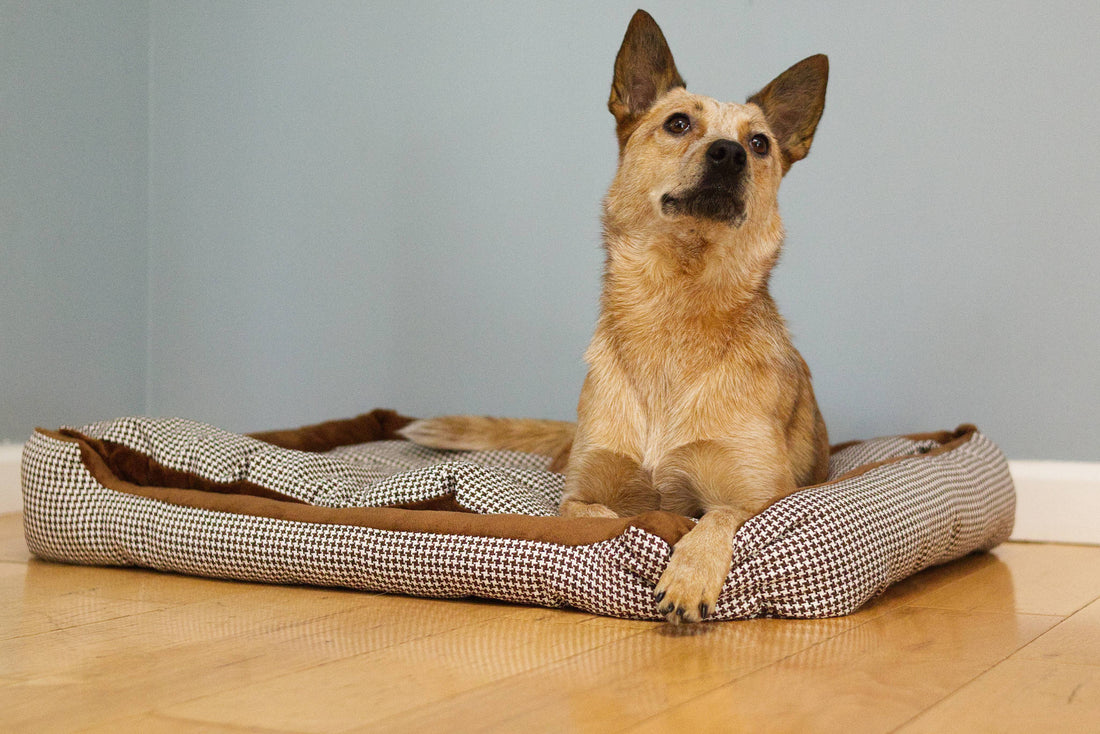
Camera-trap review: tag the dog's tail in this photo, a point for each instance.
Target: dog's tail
(481, 433)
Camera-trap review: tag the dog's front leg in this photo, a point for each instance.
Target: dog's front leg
(730, 482)
(602, 483)
(689, 587)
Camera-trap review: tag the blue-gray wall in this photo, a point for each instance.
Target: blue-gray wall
(362, 204)
(73, 197)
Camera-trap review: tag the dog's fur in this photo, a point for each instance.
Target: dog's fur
(696, 401)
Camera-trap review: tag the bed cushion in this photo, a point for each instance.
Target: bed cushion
(347, 503)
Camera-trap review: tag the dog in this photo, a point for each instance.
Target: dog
(696, 401)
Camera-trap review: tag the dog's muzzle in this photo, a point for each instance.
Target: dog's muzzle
(718, 194)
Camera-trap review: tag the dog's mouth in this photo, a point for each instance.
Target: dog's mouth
(714, 202)
(718, 194)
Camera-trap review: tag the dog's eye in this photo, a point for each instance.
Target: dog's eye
(678, 124)
(760, 144)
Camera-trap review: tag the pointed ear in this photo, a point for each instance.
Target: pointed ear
(793, 104)
(644, 71)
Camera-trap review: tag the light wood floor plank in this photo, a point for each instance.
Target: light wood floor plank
(872, 678)
(127, 667)
(12, 545)
(1032, 578)
(1020, 695)
(1008, 641)
(404, 678)
(154, 723)
(624, 681)
(1052, 684)
(1075, 641)
(24, 613)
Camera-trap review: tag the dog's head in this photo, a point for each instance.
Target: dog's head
(685, 155)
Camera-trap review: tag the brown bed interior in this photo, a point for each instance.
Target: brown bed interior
(125, 470)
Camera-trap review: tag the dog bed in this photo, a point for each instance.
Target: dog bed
(348, 504)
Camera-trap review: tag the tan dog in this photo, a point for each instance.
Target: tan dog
(696, 401)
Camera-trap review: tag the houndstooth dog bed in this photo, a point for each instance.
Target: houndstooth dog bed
(346, 503)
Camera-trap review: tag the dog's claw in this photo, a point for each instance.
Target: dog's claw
(658, 596)
(704, 610)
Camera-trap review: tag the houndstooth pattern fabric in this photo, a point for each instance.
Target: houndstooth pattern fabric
(821, 552)
(869, 452)
(378, 474)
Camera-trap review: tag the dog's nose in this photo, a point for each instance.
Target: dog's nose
(727, 154)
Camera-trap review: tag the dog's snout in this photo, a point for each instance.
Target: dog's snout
(726, 154)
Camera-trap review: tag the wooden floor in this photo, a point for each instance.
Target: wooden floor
(1008, 641)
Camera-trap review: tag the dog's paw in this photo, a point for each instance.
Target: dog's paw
(689, 587)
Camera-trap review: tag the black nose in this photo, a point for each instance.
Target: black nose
(728, 154)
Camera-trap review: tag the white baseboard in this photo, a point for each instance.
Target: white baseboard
(11, 491)
(1056, 501)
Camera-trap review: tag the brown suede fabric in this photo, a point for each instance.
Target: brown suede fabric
(134, 468)
(125, 470)
(948, 441)
(380, 424)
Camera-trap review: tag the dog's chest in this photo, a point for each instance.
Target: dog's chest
(683, 399)
(679, 360)
(650, 396)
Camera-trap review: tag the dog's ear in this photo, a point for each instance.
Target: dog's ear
(644, 71)
(793, 104)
